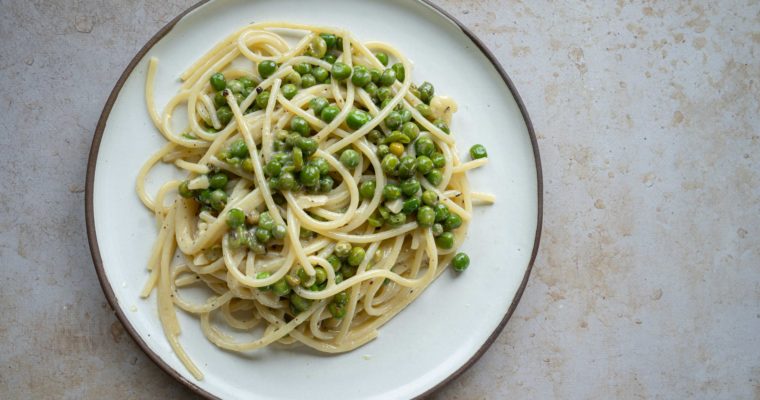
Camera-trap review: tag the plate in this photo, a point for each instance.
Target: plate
(440, 334)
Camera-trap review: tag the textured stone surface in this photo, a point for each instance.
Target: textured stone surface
(647, 284)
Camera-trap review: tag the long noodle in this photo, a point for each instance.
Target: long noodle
(299, 286)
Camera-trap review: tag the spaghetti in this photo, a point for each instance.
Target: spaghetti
(323, 194)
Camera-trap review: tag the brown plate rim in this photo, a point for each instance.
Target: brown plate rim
(90, 218)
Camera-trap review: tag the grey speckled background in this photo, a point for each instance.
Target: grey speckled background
(647, 284)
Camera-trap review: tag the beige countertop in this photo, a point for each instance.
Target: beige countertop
(647, 283)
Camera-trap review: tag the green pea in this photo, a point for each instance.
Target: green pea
(262, 99)
(302, 68)
(247, 165)
(427, 91)
(235, 218)
(407, 167)
(184, 191)
(371, 89)
(218, 180)
(329, 39)
(224, 114)
(289, 91)
(397, 137)
(238, 148)
(342, 249)
(440, 124)
(326, 184)
(308, 145)
(281, 288)
(388, 77)
(309, 176)
(340, 71)
(267, 68)
(257, 248)
(320, 275)
(357, 118)
(367, 189)
(273, 168)
(436, 229)
(308, 81)
(441, 212)
(382, 151)
(445, 241)
(410, 187)
(217, 81)
(384, 212)
(293, 78)
(350, 158)
(219, 99)
(453, 221)
(424, 110)
(204, 196)
(320, 74)
(384, 93)
(410, 205)
(303, 276)
(298, 124)
(389, 164)
(398, 68)
(438, 159)
(318, 47)
(263, 235)
(329, 113)
(406, 116)
(374, 136)
(318, 104)
(235, 86)
(263, 275)
(298, 303)
(375, 74)
(375, 220)
(424, 146)
(273, 183)
(330, 58)
(386, 103)
(434, 177)
(430, 198)
(391, 192)
(356, 256)
(218, 199)
(382, 57)
(426, 216)
(396, 220)
(239, 98)
(478, 151)
(286, 181)
(424, 164)
(336, 310)
(279, 231)
(291, 140)
(393, 120)
(334, 262)
(361, 76)
(411, 130)
(321, 165)
(237, 237)
(247, 82)
(266, 221)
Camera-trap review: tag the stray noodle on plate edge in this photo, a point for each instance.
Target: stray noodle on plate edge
(324, 191)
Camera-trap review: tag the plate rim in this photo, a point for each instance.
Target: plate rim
(92, 239)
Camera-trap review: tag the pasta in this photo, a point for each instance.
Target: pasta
(323, 191)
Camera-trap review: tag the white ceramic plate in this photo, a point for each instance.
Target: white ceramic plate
(438, 335)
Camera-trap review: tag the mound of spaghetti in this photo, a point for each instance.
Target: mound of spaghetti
(323, 193)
